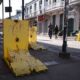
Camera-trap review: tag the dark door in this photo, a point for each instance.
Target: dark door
(54, 20)
(61, 22)
(70, 26)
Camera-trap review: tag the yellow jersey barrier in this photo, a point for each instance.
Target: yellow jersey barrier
(16, 53)
(32, 34)
(33, 39)
(78, 36)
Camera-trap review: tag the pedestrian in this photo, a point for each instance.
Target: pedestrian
(50, 31)
(56, 30)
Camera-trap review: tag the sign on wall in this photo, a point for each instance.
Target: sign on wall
(41, 18)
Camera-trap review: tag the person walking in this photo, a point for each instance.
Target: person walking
(56, 30)
(50, 31)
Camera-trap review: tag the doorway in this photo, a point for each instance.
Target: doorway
(70, 26)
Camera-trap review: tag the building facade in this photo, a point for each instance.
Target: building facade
(52, 11)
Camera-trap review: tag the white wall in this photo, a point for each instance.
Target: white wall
(76, 21)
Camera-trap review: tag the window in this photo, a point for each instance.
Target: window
(46, 3)
(54, 1)
(40, 2)
(27, 10)
(39, 6)
(35, 6)
(46, 0)
(30, 7)
(49, 1)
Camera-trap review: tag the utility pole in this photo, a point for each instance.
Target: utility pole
(9, 7)
(1, 2)
(22, 9)
(3, 10)
(64, 53)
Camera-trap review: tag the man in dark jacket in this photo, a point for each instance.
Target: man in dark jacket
(56, 31)
(50, 30)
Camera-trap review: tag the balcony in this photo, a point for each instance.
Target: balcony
(74, 2)
(54, 6)
(35, 14)
(31, 15)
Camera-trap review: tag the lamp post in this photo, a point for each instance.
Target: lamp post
(64, 53)
(9, 7)
(22, 9)
(1, 1)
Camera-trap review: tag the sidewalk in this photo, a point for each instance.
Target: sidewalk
(71, 43)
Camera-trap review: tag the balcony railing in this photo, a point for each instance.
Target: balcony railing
(71, 2)
(54, 6)
(35, 14)
(74, 0)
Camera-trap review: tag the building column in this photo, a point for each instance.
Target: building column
(76, 20)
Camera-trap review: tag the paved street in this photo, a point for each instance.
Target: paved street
(58, 69)
(55, 45)
(71, 43)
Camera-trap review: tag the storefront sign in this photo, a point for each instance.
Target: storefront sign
(41, 18)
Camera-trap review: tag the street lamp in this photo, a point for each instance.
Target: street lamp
(64, 53)
(9, 7)
(2, 9)
(22, 9)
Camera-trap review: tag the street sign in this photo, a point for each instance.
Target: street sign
(8, 9)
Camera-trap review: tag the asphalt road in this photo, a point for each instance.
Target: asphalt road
(58, 68)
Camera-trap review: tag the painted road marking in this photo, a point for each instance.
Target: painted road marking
(50, 63)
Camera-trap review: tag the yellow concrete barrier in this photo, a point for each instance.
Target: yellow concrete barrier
(15, 35)
(33, 39)
(16, 53)
(78, 36)
(32, 34)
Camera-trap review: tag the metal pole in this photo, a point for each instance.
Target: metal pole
(64, 53)
(3, 10)
(10, 11)
(22, 9)
(65, 26)
(3, 22)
